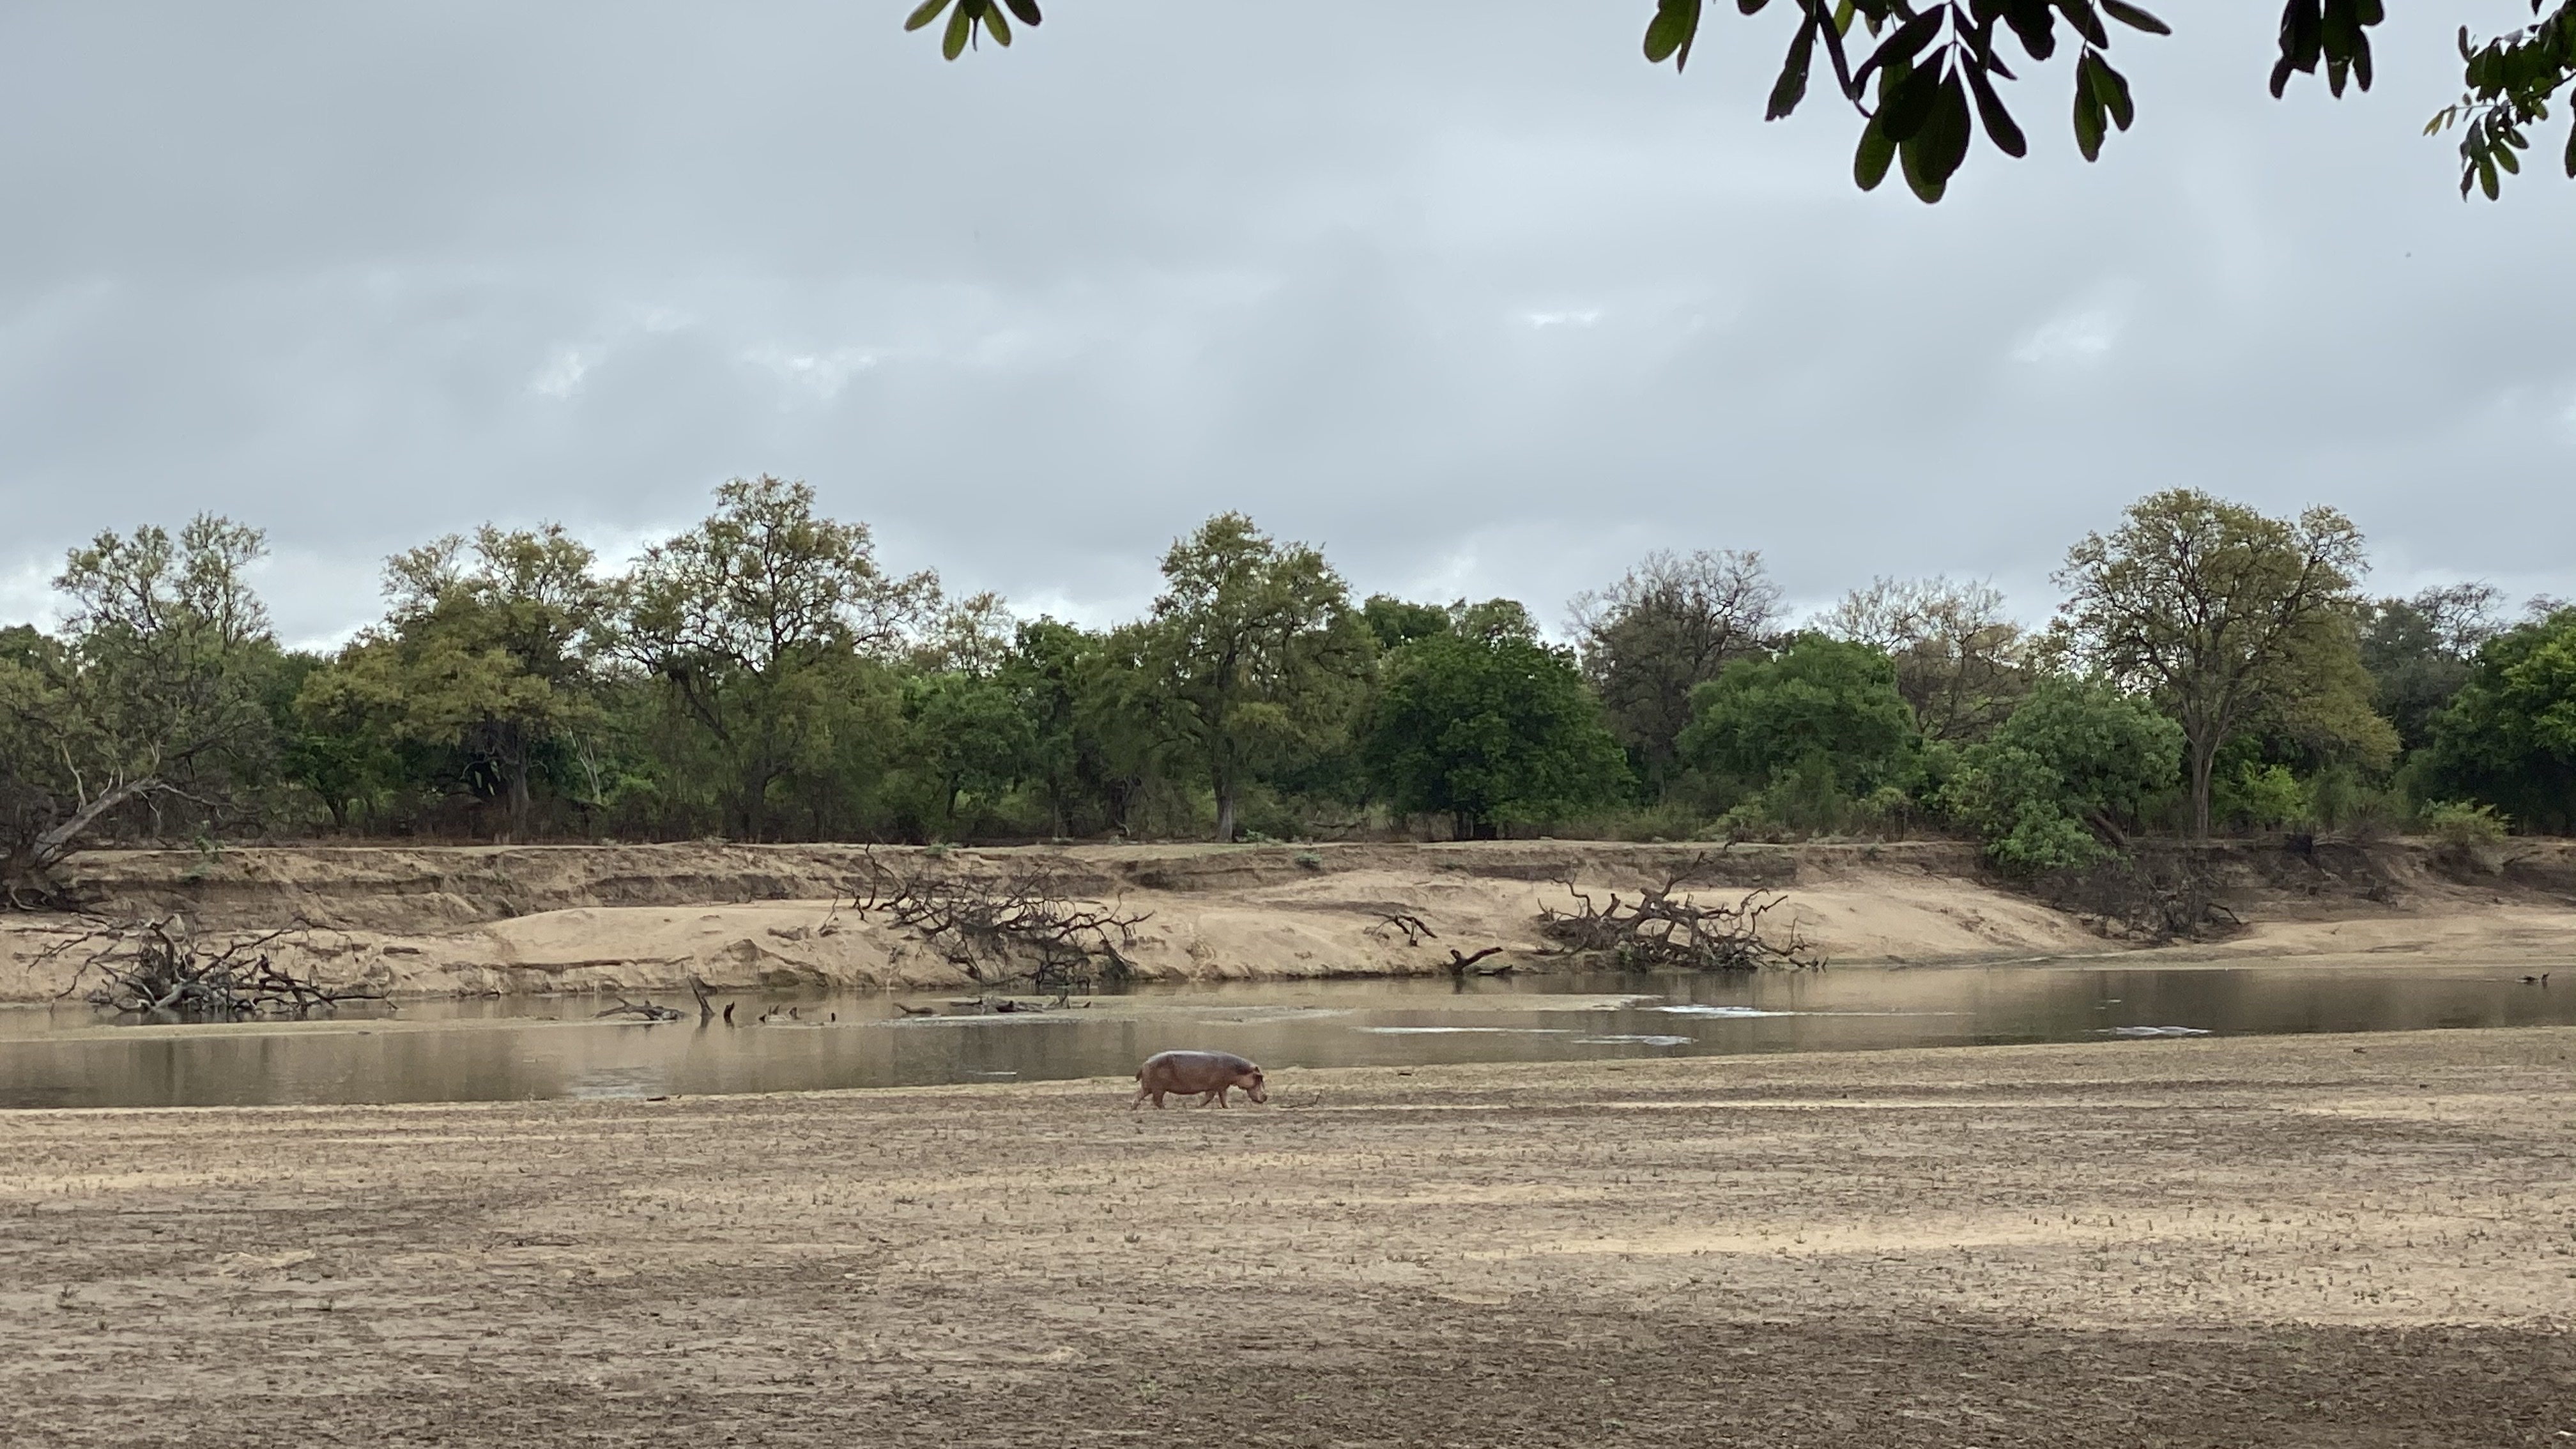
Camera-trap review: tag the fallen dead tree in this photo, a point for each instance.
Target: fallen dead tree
(1024, 927)
(158, 969)
(644, 1011)
(1665, 930)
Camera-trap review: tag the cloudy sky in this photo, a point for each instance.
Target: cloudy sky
(1470, 296)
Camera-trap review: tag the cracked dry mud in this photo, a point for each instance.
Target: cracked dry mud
(2344, 1241)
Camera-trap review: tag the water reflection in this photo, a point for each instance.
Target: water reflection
(535, 1048)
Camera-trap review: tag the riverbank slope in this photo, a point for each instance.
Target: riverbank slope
(2318, 1241)
(431, 920)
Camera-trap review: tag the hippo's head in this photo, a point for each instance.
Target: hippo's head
(1250, 1082)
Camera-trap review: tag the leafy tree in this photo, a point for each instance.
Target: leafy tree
(1392, 621)
(1824, 706)
(2227, 619)
(2061, 783)
(480, 658)
(2509, 738)
(154, 693)
(755, 627)
(1487, 725)
(1256, 646)
(1132, 739)
(1932, 64)
(2419, 652)
(969, 732)
(40, 792)
(1958, 656)
(1670, 625)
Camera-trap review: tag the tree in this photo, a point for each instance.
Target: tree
(1670, 625)
(1392, 621)
(2509, 738)
(480, 658)
(1257, 647)
(756, 626)
(2060, 784)
(1487, 725)
(1933, 64)
(969, 733)
(1957, 654)
(152, 695)
(2226, 618)
(1822, 706)
(2420, 651)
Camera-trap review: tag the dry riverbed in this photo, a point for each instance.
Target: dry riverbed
(2319, 1241)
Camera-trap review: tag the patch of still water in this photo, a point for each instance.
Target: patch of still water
(554, 1048)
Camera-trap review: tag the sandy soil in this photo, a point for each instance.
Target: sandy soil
(643, 918)
(2311, 1241)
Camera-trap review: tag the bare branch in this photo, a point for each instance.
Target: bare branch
(1666, 931)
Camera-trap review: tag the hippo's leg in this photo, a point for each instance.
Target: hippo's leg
(1142, 1092)
(1220, 1095)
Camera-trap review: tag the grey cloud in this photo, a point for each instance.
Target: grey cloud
(1482, 309)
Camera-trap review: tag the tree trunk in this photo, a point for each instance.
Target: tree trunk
(2204, 764)
(518, 795)
(24, 869)
(1224, 814)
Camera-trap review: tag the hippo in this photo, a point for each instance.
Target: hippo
(1210, 1074)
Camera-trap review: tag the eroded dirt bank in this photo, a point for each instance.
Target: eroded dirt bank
(2327, 1241)
(446, 920)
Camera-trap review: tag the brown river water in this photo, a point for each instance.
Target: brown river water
(554, 1047)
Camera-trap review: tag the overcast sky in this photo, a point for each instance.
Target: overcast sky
(1467, 294)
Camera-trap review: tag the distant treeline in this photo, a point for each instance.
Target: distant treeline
(760, 677)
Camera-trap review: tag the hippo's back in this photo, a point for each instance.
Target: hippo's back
(1186, 1069)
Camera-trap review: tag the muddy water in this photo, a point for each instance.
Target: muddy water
(541, 1048)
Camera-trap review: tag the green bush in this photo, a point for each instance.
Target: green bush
(2076, 763)
(2464, 824)
(2261, 797)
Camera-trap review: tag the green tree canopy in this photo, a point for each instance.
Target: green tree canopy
(2227, 619)
(759, 627)
(480, 658)
(969, 732)
(2509, 738)
(1824, 705)
(2066, 777)
(1483, 723)
(1257, 648)
(155, 690)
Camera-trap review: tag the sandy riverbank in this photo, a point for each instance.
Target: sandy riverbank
(429, 921)
(2308, 1241)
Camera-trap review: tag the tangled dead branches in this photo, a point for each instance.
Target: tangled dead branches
(1663, 930)
(159, 970)
(1024, 927)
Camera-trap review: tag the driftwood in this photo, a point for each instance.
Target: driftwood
(1664, 930)
(1027, 926)
(158, 969)
(644, 1011)
(1415, 929)
(1460, 965)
